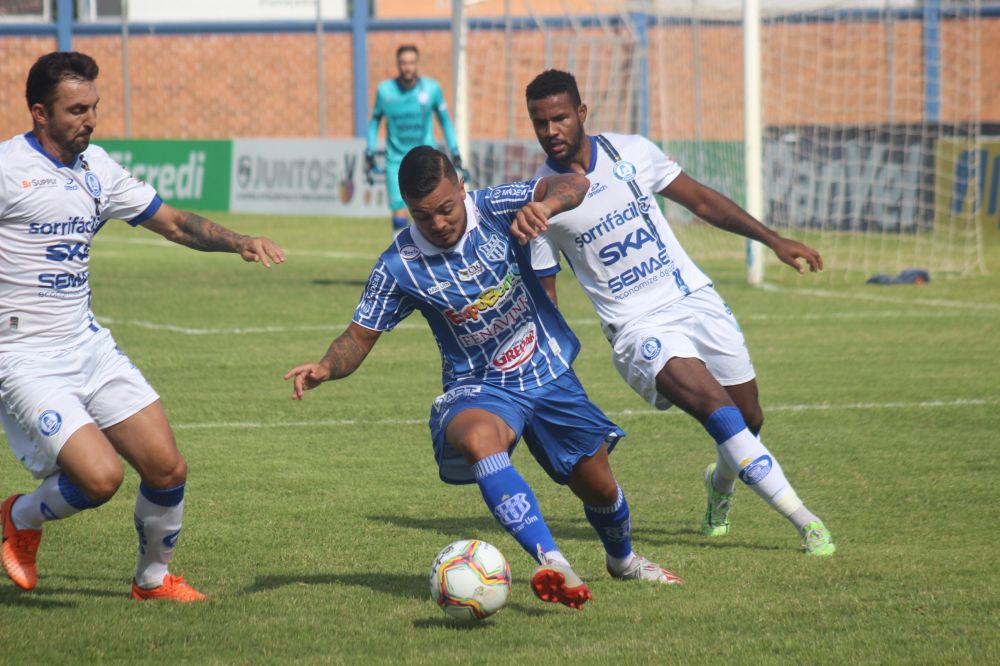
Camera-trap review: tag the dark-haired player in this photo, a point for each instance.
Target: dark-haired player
(673, 339)
(407, 103)
(505, 355)
(71, 402)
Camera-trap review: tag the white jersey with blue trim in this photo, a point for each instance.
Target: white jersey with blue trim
(617, 241)
(492, 320)
(49, 213)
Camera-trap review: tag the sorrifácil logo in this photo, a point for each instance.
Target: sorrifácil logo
(49, 422)
(651, 348)
(624, 171)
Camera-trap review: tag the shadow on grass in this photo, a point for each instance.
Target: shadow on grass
(332, 282)
(469, 527)
(43, 595)
(400, 585)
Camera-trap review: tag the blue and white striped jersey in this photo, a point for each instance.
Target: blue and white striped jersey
(492, 320)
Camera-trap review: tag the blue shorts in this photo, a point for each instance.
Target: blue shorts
(558, 421)
(392, 184)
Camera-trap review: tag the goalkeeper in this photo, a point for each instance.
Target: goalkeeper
(406, 102)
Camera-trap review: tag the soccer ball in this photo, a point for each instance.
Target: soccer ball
(470, 580)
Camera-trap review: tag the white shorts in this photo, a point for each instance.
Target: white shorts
(700, 325)
(47, 396)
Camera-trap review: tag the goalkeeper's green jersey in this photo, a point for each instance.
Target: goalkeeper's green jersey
(408, 117)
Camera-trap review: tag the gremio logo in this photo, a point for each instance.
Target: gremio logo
(171, 180)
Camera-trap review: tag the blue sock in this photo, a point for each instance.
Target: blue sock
(512, 503)
(613, 525)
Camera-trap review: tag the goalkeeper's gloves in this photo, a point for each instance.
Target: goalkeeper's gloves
(456, 160)
(370, 167)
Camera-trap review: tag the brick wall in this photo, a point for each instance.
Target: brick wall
(226, 85)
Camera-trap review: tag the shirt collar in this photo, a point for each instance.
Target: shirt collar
(427, 247)
(36, 144)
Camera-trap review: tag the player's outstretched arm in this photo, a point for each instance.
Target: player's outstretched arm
(197, 232)
(553, 195)
(342, 358)
(720, 211)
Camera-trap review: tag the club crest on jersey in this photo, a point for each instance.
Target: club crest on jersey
(409, 252)
(470, 272)
(513, 509)
(495, 249)
(49, 422)
(518, 349)
(93, 183)
(624, 171)
(423, 97)
(651, 348)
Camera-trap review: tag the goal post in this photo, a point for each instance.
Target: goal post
(868, 114)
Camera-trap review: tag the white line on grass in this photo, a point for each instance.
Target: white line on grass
(878, 298)
(248, 330)
(852, 406)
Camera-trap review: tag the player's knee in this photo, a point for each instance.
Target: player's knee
(479, 441)
(754, 418)
(170, 474)
(101, 484)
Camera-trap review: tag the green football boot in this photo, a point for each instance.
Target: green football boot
(716, 520)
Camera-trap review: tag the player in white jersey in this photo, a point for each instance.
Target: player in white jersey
(505, 355)
(673, 338)
(71, 402)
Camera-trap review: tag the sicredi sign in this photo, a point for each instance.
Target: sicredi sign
(189, 174)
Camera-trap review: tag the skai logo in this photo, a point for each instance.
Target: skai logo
(68, 252)
(596, 188)
(613, 252)
(471, 271)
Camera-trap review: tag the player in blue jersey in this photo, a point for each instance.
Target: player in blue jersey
(673, 338)
(71, 403)
(407, 102)
(505, 355)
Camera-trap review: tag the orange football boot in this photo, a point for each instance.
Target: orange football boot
(19, 548)
(173, 588)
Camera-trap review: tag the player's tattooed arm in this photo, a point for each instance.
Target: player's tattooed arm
(194, 231)
(553, 195)
(345, 355)
(720, 211)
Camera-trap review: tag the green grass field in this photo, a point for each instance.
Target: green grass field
(312, 525)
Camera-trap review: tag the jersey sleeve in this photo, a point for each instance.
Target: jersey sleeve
(662, 169)
(544, 256)
(376, 119)
(383, 304)
(441, 111)
(128, 198)
(500, 204)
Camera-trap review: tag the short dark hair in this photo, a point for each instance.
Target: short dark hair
(422, 170)
(52, 69)
(407, 47)
(553, 82)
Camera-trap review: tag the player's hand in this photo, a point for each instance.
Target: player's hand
(307, 376)
(530, 221)
(790, 252)
(456, 161)
(370, 167)
(260, 249)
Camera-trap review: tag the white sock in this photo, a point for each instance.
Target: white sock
(760, 470)
(158, 523)
(556, 556)
(724, 478)
(55, 498)
(620, 564)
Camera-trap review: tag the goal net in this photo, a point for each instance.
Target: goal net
(870, 114)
